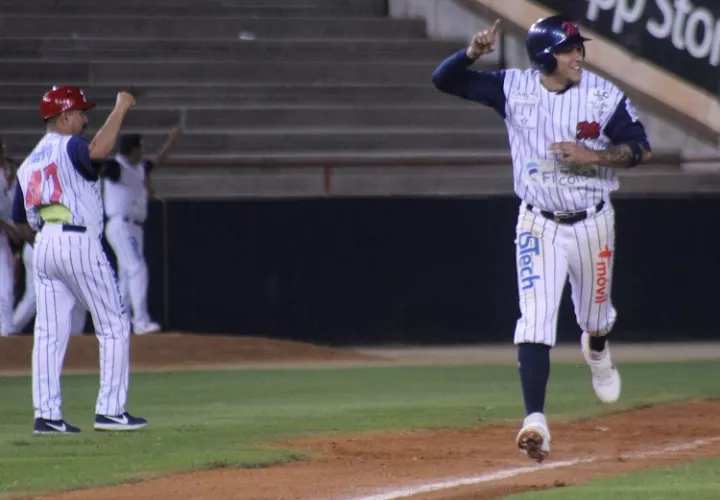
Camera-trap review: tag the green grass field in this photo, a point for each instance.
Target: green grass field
(696, 481)
(221, 418)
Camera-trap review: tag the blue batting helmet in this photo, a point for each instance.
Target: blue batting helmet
(548, 35)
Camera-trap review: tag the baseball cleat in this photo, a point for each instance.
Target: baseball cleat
(122, 422)
(534, 437)
(151, 327)
(45, 426)
(605, 376)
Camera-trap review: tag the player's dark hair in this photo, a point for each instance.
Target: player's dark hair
(128, 142)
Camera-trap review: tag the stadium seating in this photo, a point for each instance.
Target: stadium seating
(254, 82)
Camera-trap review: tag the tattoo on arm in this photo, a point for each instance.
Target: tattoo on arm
(620, 155)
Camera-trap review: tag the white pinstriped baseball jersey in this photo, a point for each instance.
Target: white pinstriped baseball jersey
(594, 113)
(537, 118)
(70, 265)
(47, 176)
(128, 195)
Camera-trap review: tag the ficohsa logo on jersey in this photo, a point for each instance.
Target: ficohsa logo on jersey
(528, 247)
(690, 28)
(549, 175)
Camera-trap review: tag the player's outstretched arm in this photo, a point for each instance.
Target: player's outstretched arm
(164, 152)
(453, 77)
(105, 138)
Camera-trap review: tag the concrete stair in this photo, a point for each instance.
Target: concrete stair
(208, 9)
(210, 141)
(307, 116)
(226, 72)
(214, 96)
(130, 5)
(232, 49)
(254, 82)
(221, 26)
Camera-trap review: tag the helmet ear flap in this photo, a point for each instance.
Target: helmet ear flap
(546, 62)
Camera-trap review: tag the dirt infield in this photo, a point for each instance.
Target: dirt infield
(168, 351)
(390, 465)
(480, 463)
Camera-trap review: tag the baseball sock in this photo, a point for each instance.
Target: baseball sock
(597, 344)
(534, 368)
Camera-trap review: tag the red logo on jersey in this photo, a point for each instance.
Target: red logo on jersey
(602, 280)
(570, 28)
(587, 130)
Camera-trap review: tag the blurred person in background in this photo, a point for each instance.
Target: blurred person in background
(126, 189)
(8, 180)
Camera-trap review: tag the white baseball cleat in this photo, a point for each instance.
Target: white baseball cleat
(605, 377)
(534, 437)
(151, 327)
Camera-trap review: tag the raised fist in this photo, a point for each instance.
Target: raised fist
(125, 99)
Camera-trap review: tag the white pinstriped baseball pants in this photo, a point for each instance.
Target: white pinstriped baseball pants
(25, 309)
(127, 241)
(7, 287)
(547, 254)
(70, 266)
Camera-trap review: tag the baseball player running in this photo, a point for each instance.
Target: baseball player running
(126, 180)
(569, 129)
(25, 308)
(59, 196)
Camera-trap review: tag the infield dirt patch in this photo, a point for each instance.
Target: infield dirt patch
(355, 467)
(363, 465)
(168, 351)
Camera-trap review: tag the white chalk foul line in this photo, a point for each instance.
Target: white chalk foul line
(466, 481)
(508, 473)
(671, 449)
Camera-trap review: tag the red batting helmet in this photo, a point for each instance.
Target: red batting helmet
(61, 99)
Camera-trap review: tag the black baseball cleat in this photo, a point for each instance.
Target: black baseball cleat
(45, 426)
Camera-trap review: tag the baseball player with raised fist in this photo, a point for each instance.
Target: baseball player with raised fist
(569, 130)
(59, 197)
(126, 180)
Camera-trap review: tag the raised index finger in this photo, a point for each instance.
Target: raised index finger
(495, 27)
